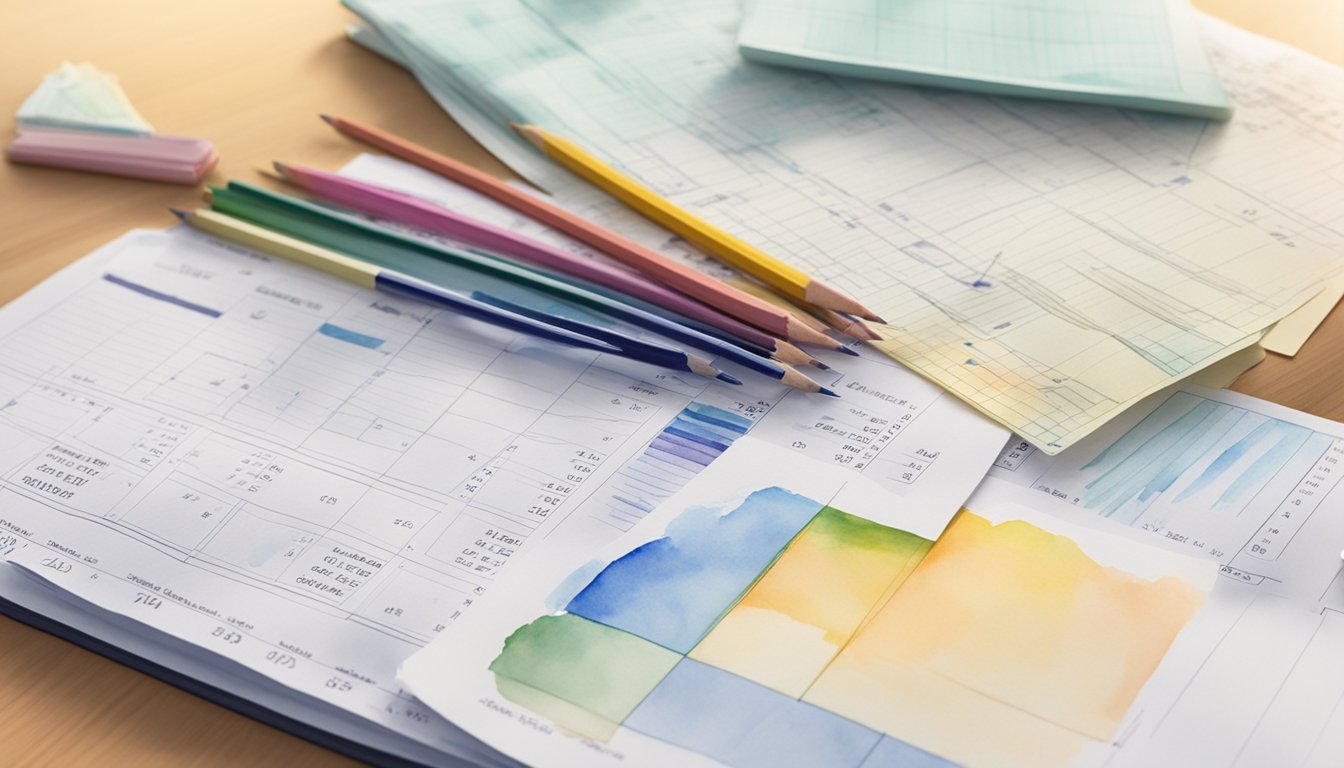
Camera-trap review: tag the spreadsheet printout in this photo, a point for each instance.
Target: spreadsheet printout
(313, 480)
(1050, 264)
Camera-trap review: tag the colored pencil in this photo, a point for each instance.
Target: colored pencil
(533, 323)
(657, 266)
(406, 209)
(371, 242)
(728, 248)
(846, 324)
(747, 285)
(675, 358)
(787, 374)
(819, 317)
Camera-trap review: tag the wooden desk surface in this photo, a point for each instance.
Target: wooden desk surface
(252, 75)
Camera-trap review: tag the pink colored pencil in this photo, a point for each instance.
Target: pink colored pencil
(649, 262)
(422, 214)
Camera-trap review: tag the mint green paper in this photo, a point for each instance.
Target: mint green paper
(1144, 54)
(79, 97)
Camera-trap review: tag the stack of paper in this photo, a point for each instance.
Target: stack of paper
(1051, 264)
(1145, 54)
(79, 118)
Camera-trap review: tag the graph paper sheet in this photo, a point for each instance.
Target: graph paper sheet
(1050, 264)
(1144, 54)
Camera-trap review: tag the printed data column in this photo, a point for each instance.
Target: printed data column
(535, 473)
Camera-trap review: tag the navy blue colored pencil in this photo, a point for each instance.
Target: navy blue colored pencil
(533, 323)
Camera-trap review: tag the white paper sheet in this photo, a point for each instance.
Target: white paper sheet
(987, 231)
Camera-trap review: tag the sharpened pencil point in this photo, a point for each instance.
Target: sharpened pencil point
(814, 362)
(847, 351)
(731, 379)
(825, 391)
(530, 133)
(328, 119)
(788, 353)
(822, 295)
(271, 173)
(280, 168)
(801, 332)
(179, 213)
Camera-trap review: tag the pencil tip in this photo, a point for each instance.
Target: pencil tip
(271, 173)
(328, 119)
(818, 364)
(280, 168)
(862, 332)
(728, 378)
(179, 213)
(528, 132)
(825, 391)
(801, 332)
(846, 350)
(822, 295)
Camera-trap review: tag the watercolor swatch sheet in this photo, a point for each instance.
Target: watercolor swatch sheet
(777, 612)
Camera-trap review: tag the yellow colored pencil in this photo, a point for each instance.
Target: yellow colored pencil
(731, 250)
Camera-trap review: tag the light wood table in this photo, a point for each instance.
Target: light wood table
(252, 75)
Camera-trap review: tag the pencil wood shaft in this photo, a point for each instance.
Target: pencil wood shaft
(654, 264)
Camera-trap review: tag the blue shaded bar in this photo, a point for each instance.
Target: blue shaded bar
(347, 335)
(746, 725)
(677, 429)
(687, 449)
(718, 417)
(153, 294)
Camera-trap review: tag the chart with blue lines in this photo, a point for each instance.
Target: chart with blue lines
(1226, 479)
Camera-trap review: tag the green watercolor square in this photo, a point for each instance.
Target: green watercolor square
(569, 668)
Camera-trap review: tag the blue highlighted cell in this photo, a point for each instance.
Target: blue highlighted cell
(349, 336)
